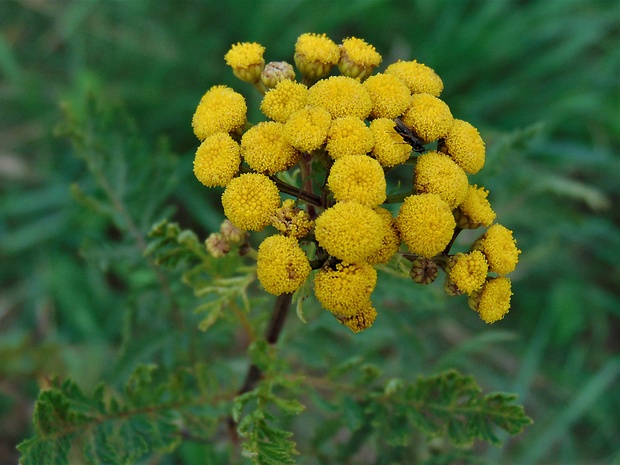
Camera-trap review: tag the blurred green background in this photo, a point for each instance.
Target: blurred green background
(541, 81)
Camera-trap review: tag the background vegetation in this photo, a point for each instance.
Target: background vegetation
(540, 79)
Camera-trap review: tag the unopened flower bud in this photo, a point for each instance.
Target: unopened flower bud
(216, 245)
(231, 233)
(275, 72)
(424, 270)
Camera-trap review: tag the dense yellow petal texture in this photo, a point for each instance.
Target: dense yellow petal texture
(306, 129)
(437, 173)
(346, 289)
(266, 150)
(246, 60)
(221, 109)
(468, 271)
(358, 179)
(282, 266)
(391, 239)
(348, 231)
(476, 209)
(357, 58)
(362, 320)
(315, 55)
(389, 95)
(390, 149)
(250, 201)
(492, 302)
(341, 96)
(419, 78)
(464, 144)
(348, 136)
(285, 99)
(499, 248)
(217, 160)
(429, 117)
(426, 224)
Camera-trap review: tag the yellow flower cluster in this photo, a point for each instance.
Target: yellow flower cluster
(327, 143)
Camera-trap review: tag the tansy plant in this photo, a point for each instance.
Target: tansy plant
(315, 171)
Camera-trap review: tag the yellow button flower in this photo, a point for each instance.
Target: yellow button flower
(390, 149)
(389, 95)
(284, 100)
(436, 173)
(306, 129)
(492, 302)
(221, 109)
(345, 290)
(475, 209)
(357, 58)
(357, 178)
(426, 224)
(281, 266)
(499, 248)
(468, 271)
(341, 96)
(348, 136)
(429, 117)
(291, 220)
(266, 150)
(246, 60)
(217, 160)
(315, 55)
(362, 320)
(349, 231)
(250, 201)
(419, 78)
(391, 239)
(464, 144)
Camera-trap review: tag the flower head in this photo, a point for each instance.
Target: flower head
(389, 95)
(246, 60)
(341, 96)
(275, 72)
(291, 220)
(436, 173)
(426, 224)
(282, 266)
(285, 99)
(348, 136)
(266, 150)
(357, 178)
(250, 200)
(499, 248)
(357, 58)
(345, 289)
(306, 129)
(419, 78)
(464, 144)
(492, 301)
(475, 210)
(349, 231)
(362, 320)
(429, 117)
(217, 160)
(390, 149)
(315, 55)
(221, 109)
(391, 239)
(468, 271)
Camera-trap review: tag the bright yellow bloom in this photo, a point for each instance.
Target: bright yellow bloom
(468, 271)
(275, 72)
(348, 136)
(426, 224)
(266, 150)
(390, 149)
(349, 231)
(429, 117)
(464, 144)
(315, 55)
(419, 78)
(391, 239)
(285, 99)
(389, 95)
(357, 58)
(217, 160)
(346, 289)
(492, 302)
(476, 209)
(250, 201)
(306, 129)
(362, 320)
(436, 173)
(499, 248)
(246, 60)
(357, 178)
(291, 220)
(341, 96)
(281, 265)
(221, 109)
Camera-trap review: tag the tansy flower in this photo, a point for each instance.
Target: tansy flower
(275, 72)
(426, 224)
(436, 173)
(341, 96)
(391, 239)
(221, 109)
(246, 60)
(357, 58)
(291, 220)
(492, 301)
(362, 320)
(306, 129)
(345, 289)
(348, 136)
(349, 231)
(250, 201)
(358, 179)
(464, 144)
(390, 149)
(286, 98)
(429, 117)
(475, 209)
(315, 54)
(468, 271)
(419, 78)
(499, 248)
(281, 266)
(266, 150)
(217, 160)
(389, 95)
